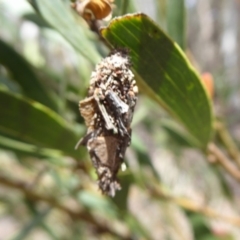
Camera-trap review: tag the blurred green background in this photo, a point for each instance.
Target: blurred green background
(170, 190)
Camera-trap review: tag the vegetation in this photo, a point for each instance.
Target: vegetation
(183, 165)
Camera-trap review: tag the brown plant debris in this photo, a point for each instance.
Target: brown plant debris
(94, 9)
(108, 111)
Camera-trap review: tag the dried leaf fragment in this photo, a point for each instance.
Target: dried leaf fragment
(94, 9)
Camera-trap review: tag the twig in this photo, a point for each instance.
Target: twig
(95, 26)
(228, 141)
(52, 201)
(222, 159)
(190, 205)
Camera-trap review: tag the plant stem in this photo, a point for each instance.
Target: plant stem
(158, 192)
(222, 159)
(228, 141)
(53, 202)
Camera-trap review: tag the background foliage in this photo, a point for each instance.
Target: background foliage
(183, 164)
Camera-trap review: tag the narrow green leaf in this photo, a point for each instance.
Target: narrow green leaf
(35, 222)
(12, 86)
(37, 19)
(137, 228)
(124, 6)
(24, 75)
(28, 149)
(43, 225)
(142, 154)
(161, 12)
(177, 133)
(58, 14)
(176, 21)
(163, 72)
(126, 179)
(97, 203)
(34, 123)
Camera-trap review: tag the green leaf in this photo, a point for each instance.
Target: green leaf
(34, 223)
(24, 75)
(5, 82)
(126, 179)
(37, 19)
(176, 21)
(58, 15)
(177, 133)
(97, 203)
(137, 229)
(161, 12)
(163, 72)
(28, 149)
(34, 123)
